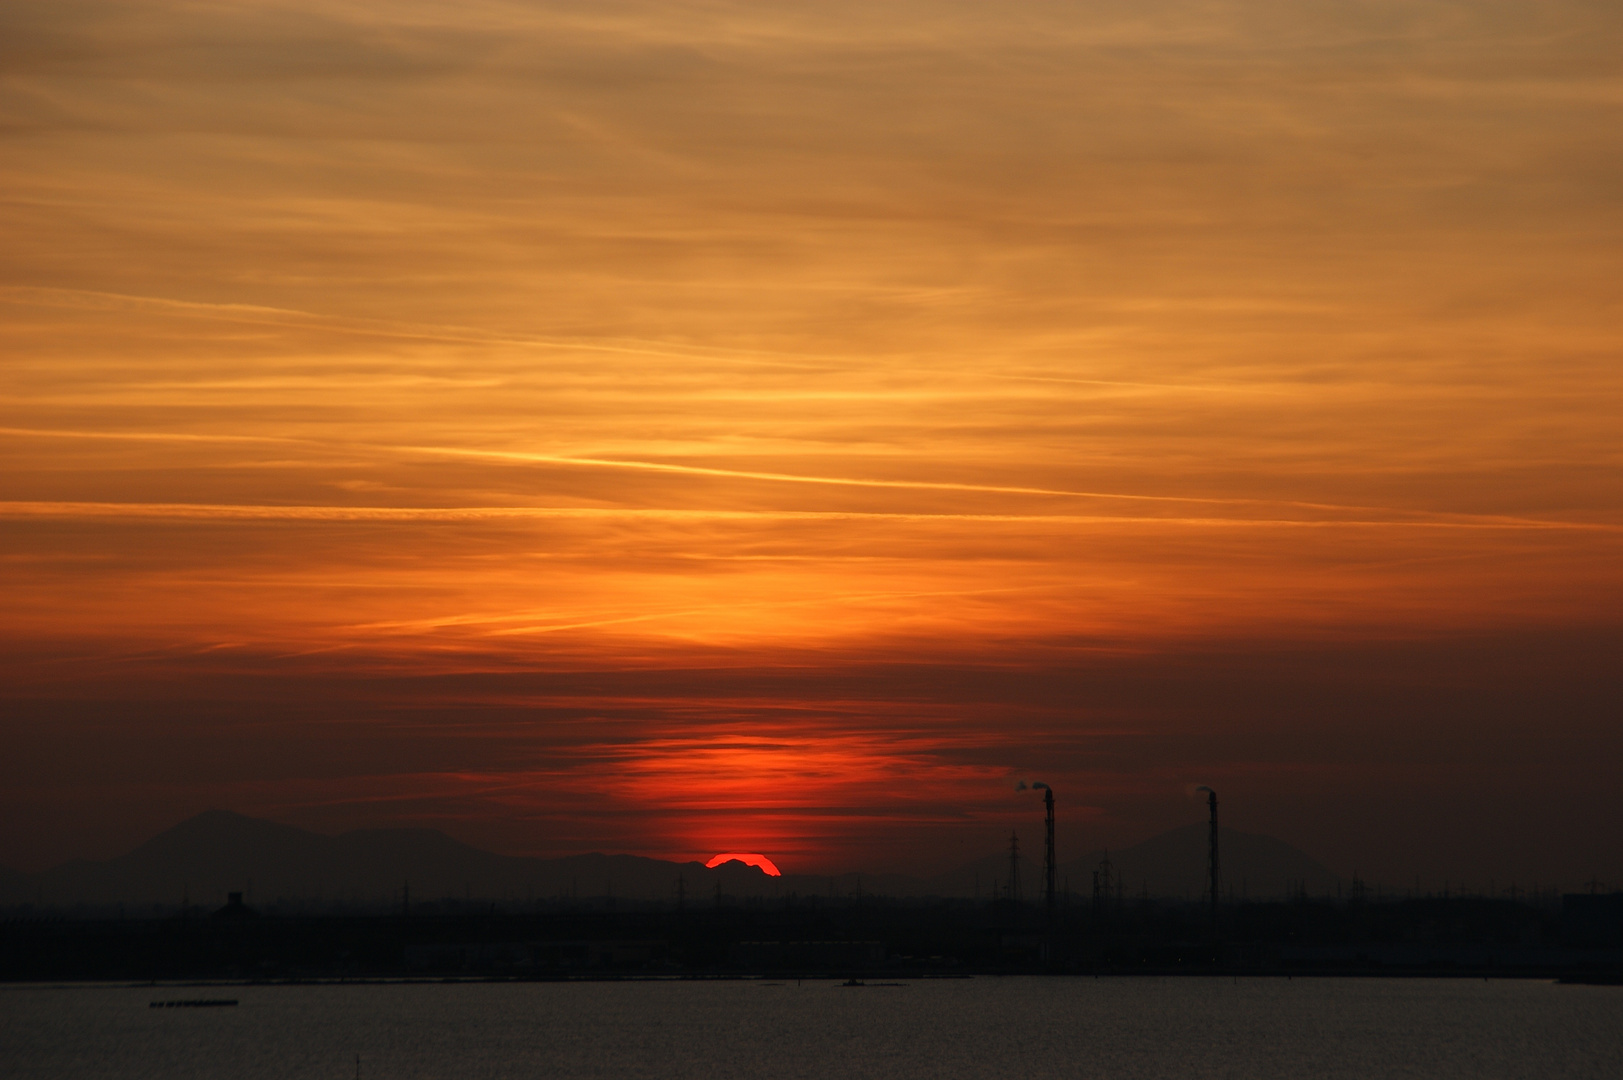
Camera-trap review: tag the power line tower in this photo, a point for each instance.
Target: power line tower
(1105, 885)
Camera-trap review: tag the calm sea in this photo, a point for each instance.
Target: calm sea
(1016, 1027)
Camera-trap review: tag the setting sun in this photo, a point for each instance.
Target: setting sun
(645, 428)
(749, 859)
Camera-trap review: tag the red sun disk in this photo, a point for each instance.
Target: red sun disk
(748, 858)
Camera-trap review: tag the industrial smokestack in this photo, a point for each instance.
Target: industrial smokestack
(1214, 867)
(1049, 865)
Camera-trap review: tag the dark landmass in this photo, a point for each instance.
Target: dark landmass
(283, 868)
(218, 852)
(1580, 938)
(393, 904)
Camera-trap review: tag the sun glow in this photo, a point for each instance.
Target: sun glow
(747, 858)
(652, 428)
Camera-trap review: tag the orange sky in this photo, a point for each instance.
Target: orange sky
(686, 427)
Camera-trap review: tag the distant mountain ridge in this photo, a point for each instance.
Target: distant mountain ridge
(217, 852)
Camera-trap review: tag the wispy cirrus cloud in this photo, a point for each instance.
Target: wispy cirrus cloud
(695, 361)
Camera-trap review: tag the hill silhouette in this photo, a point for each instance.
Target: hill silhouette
(205, 857)
(217, 852)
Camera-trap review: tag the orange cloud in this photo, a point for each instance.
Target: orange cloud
(480, 339)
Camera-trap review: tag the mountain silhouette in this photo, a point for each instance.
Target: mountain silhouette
(204, 858)
(217, 852)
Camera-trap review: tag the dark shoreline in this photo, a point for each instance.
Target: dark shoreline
(869, 980)
(1459, 938)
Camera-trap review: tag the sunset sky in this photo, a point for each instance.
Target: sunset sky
(688, 427)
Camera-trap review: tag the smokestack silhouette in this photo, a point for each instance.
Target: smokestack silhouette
(1049, 865)
(1211, 801)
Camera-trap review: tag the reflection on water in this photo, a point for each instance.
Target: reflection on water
(1019, 1027)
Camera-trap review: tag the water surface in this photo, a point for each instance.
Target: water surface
(1124, 1028)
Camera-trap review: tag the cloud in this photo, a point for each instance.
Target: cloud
(602, 339)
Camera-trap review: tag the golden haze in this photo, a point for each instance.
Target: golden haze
(636, 425)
